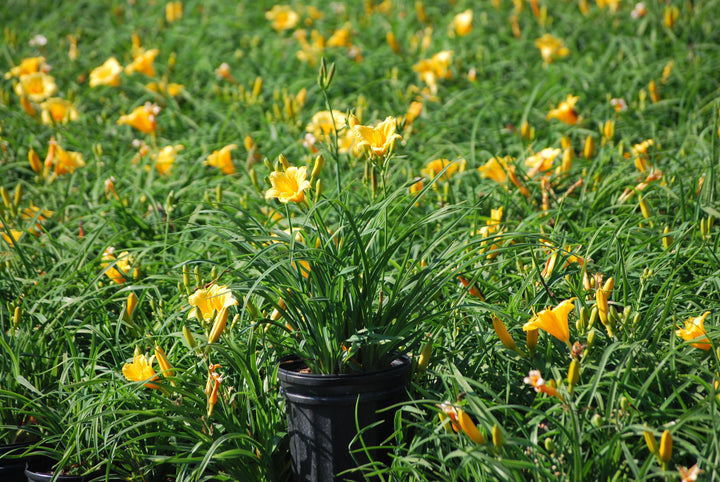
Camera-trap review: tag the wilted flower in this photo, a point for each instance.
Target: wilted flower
(639, 10)
(223, 72)
(212, 387)
(565, 112)
(689, 474)
(209, 300)
(288, 185)
(694, 332)
(536, 380)
(37, 86)
(28, 66)
(143, 63)
(618, 104)
(142, 118)
(434, 68)
(462, 23)
(551, 48)
(222, 160)
(554, 321)
(378, 140)
(38, 40)
(497, 169)
(166, 157)
(107, 74)
(141, 369)
(57, 111)
(434, 168)
(282, 17)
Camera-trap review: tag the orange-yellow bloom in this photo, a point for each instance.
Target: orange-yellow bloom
(694, 332)
(497, 169)
(143, 63)
(503, 334)
(142, 118)
(640, 155)
(141, 369)
(58, 111)
(207, 300)
(222, 159)
(434, 68)
(553, 321)
(37, 86)
(322, 128)
(551, 48)
(107, 74)
(565, 112)
(173, 11)
(28, 66)
(462, 23)
(166, 158)
(542, 161)
(117, 268)
(288, 185)
(469, 427)
(434, 168)
(378, 140)
(65, 162)
(12, 237)
(282, 17)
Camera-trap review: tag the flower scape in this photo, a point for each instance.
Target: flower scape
(521, 196)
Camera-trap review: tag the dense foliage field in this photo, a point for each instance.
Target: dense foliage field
(521, 195)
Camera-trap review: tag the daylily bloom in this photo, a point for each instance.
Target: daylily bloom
(434, 68)
(554, 321)
(57, 111)
(462, 23)
(143, 63)
(551, 48)
(497, 169)
(107, 74)
(142, 118)
(141, 369)
(694, 332)
(12, 237)
(288, 185)
(640, 154)
(166, 157)
(542, 161)
(173, 11)
(378, 140)
(282, 17)
(172, 89)
(117, 268)
(321, 128)
(28, 66)
(207, 300)
(64, 162)
(565, 112)
(211, 388)
(639, 11)
(536, 380)
(618, 104)
(434, 168)
(37, 86)
(222, 159)
(689, 474)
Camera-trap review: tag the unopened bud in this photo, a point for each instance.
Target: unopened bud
(573, 374)
(592, 335)
(17, 198)
(650, 441)
(283, 160)
(319, 162)
(218, 325)
(593, 317)
(589, 150)
(424, 358)
(16, 316)
(318, 189)
(257, 87)
(189, 338)
(497, 436)
(666, 446)
(35, 163)
(549, 445)
(130, 304)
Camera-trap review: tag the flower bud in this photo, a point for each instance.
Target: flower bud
(531, 339)
(16, 316)
(589, 150)
(666, 446)
(189, 338)
(319, 162)
(609, 129)
(35, 163)
(218, 325)
(283, 160)
(469, 427)
(593, 317)
(549, 445)
(497, 436)
(591, 338)
(573, 374)
(318, 189)
(130, 304)
(257, 87)
(165, 365)
(650, 442)
(503, 334)
(424, 358)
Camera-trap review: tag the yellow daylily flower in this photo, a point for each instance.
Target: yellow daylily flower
(166, 158)
(64, 162)
(565, 111)
(378, 140)
(694, 332)
(462, 23)
(37, 86)
(173, 11)
(142, 118)
(12, 237)
(497, 169)
(28, 66)
(141, 369)
(542, 161)
(282, 17)
(58, 111)
(222, 159)
(321, 127)
(143, 63)
(535, 380)
(117, 268)
(107, 74)
(434, 168)
(288, 185)
(434, 68)
(207, 300)
(551, 48)
(553, 321)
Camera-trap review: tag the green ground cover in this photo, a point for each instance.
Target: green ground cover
(520, 195)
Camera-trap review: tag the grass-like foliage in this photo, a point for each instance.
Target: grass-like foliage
(521, 196)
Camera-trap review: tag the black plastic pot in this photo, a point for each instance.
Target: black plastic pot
(41, 471)
(12, 464)
(322, 418)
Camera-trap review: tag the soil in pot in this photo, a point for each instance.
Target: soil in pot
(324, 412)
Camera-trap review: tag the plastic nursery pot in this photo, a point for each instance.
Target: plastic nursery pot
(42, 472)
(324, 412)
(12, 463)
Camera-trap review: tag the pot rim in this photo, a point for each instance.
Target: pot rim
(294, 364)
